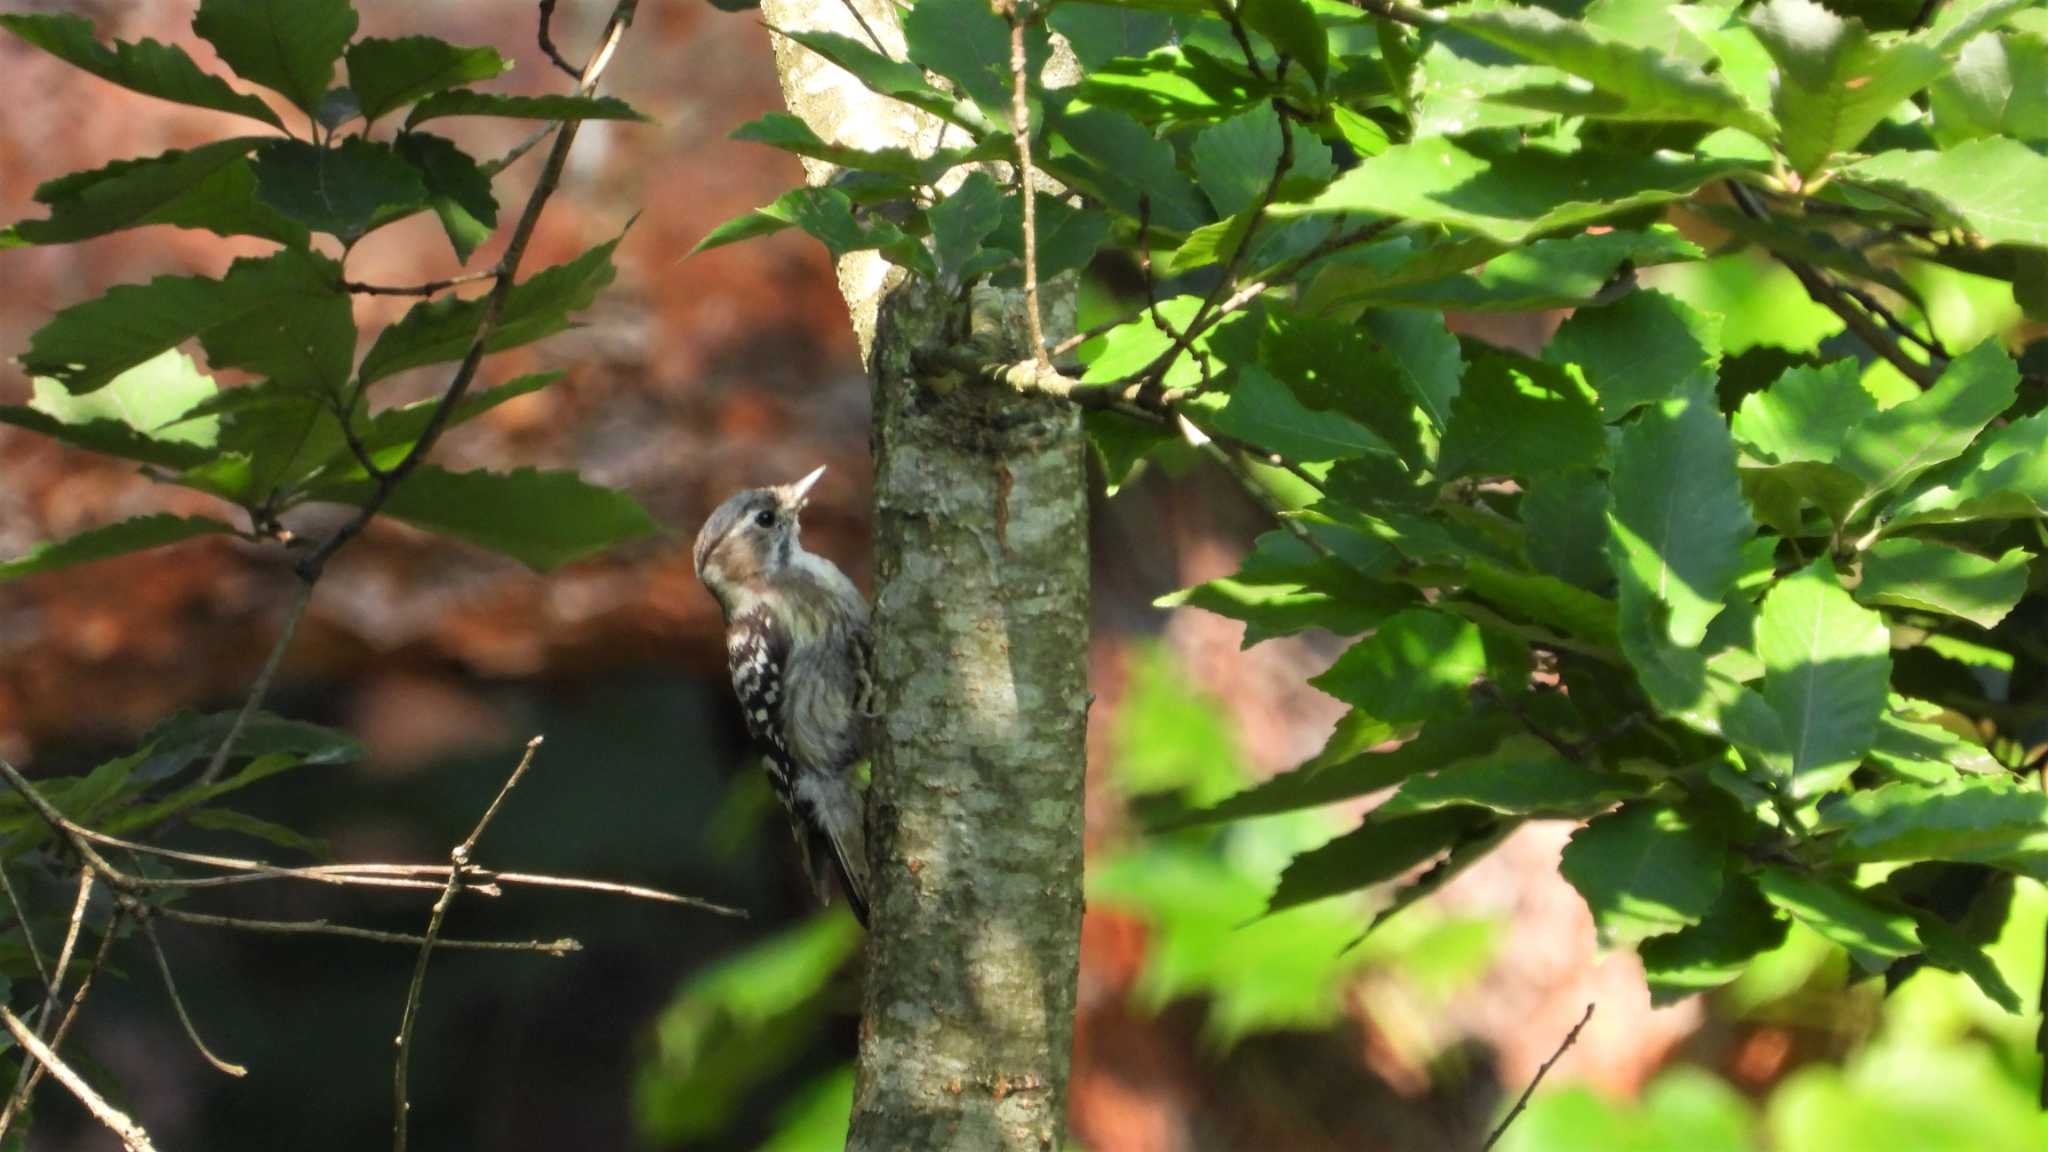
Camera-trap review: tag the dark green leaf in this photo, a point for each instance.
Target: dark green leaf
(1173, 85)
(1115, 159)
(1566, 517)
(1293, 30)
(1892, 448)
(1827, 668)
(1930, 577)
(1806, 414)
(1375, 852)
(1415, 666)
(189, 738)
(1100, 33)
(343, 191)
(1565, 272)
(1983, 185)
(1425, 358)
(255, 827)
(391, 434)
(1842, 912)
(1739, 927)
(1544, 600)
(1521, 418)
(967, 43)
(272, 436)
(286, 45)
(137, 535)
(962, 222)
(1339, 368)
(388, 74)
(456, 188)
(1645, 871)
(542, 519)
(1835, 82)
(440, 331)
(790, 134)
(1643, 348)
(285, 317)
(464, 102)
(1678, 519)
(1513, 197)
(187, 189)
(146, 66)
(1524, 777)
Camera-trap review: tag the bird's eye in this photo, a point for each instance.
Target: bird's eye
(765, 517)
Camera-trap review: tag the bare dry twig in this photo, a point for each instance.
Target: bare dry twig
(1027, 191)
(163, 964)
(131, 1134)
(1570, 1038)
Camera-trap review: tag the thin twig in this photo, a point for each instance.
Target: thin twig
(33, 1072)
(132, 1135)
(561, 947)
(35, 953)
(638, 892)
(301, 597)
(1570, 1038)
(1020, 131)
(491, 168)
(547, 40)
(430, 288)
(53, 990)
(458, 860)
(853, 10)
(163, 965)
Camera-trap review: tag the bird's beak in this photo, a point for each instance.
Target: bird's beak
(797, 493)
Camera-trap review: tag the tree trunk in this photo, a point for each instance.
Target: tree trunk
(981, 619)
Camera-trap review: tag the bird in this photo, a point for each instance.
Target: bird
(797, 646)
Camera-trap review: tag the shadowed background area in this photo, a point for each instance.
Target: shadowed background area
(690, 378)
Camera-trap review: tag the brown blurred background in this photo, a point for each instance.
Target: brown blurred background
(691, 377)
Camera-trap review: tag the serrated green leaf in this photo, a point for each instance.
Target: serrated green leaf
(1892, 448)
(1523, 777)
(1566, 517)
(1425, 358)
(1293, 30)
(1173, 85)
(1842, 912)
(343, 191)
(117, 539)
(145, 66)
(897, 79)
(1565, 272)
(1645, 871)
(136, 417)
(1521, 418)
(1827, 670)
(456, 189)
(967, 43)
(542, 519)
(1100, 33)
(1930, 577)
(1806, 414)
(1638, 83)
(1115, 159)
(962, 222)
(1999, 87)
(289, 46)
(1457, 76)
(2004, 475)
(187, 189)
(285, 317)
(1260, 410)
(1992, 819)
(1739, 927)
(1835, 82)
(1678, 519)
(1911, 746)
(1643, 348)
(1375, 852)
(1339, 369)
(391, 434)
(1681, 684)
(272, 436)
(1272, 610)
(1543, 599)
(1068, 239)
(1513, 197)
(790, 134)
(1234, 159)
(1416, 665)
(388, 74)
(440, 331)
(1983, 185)
(465, 102)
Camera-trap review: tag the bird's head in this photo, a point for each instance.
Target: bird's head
(750, 538)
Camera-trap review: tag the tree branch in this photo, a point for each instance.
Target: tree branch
(302, 597)
(163, 964)
(1020, 131)
(1570, 1038)
(131, 1134)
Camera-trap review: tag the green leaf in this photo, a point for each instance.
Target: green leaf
(343, 191)
(1272, 610)
(257, 828)
(388, 74)
(1645, 871)
(1100, 33)
(1999, 87)
(1375, 852)
(286, 45)
(1806, 414)
(790, 134)
(464, 102)
(1983, 185)
(440, 331)
(1513, 197)
(1993, 819)
(187, 189)
(118, 539)
(1564, 272)
(1930, 577)
(1566, 517)
(1835, 83)
(1416, 665)
(1912, 745)
(189, 738)
(897, 79)
(1337, 369)
(1115, 159)
(1739, 927)
(456, 189)
(272, 436)
(1890, 449)
(1524, 777)
(1841, 912)
(1543, 599)
(962, 222)
(1643, 348)
(136, 417)
(1521, 418)
(1827, 670)
(285, 317)
(967, 43)
(1293, 30)
(1678, 519)
(1425, 358)
(542, 519)
(1235, 158)
(1638, 83)
(146, 66)
(391, 434)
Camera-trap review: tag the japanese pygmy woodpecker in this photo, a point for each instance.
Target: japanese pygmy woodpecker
(796, 642)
